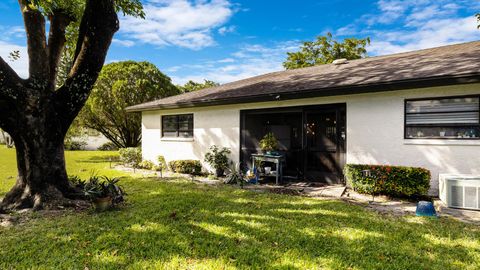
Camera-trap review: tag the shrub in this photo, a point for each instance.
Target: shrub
(147, 165)
(162, 164)
(131, 156)
(217, 157)
(186, 166)
(108, 146)
(74, 145)
(388, 180)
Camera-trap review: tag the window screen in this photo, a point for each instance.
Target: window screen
(444, 118)
(177, 126)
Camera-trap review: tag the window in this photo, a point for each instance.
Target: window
(177, 126)
(443, 118)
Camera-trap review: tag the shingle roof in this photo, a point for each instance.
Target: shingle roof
(437, 66)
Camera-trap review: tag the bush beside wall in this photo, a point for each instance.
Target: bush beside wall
(395, 181)
(130, 156)
(186, 166)
(147, 165)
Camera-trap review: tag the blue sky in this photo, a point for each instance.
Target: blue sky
(226, 40)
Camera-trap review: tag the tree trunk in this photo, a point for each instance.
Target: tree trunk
(42, 177)
(36, 115)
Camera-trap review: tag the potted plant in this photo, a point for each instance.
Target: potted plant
(104, 192)
(235, 176)
(269, 143)
(218, 159)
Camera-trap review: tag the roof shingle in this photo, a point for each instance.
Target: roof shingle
(447, 62)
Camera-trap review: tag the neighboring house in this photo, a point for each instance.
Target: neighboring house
(6, 139)
(417, 108)
(92, 142)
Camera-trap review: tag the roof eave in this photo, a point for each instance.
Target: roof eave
(323, 92)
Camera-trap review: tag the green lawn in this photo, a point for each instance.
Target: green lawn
(176, 224)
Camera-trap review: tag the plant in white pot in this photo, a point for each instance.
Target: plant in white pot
(218, 159)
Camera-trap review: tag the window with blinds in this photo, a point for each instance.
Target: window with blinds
(443, 118)
(177, 126)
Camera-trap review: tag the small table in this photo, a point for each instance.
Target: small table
(277, 159)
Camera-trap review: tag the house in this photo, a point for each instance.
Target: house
(417, 108)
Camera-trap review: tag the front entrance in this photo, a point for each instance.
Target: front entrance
(312, 138)
(325, 144)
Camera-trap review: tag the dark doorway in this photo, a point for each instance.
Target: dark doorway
(325, 144)
(312, 138)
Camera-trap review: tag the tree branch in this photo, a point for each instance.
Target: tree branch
(99, 24)
(56, 41)
(105, 131)
(9, 80)
(8, 120)
(36, 42)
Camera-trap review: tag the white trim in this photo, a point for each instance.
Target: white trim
(441, 142)
(176, 139)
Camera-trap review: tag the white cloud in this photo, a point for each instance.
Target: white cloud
(12, 32)
(250, 60)
(432, 34)
(11, 36)
(415, 24)
(226, 60)
(226, 29)
(179, 22)
(124, 42)
(20, 65)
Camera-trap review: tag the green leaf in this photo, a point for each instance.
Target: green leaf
(325, 50)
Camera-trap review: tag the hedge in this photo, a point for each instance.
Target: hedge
(186, 166)
(395, 181)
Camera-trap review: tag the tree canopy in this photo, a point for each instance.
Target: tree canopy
(120, 85)
(325, 50)
(191, 86)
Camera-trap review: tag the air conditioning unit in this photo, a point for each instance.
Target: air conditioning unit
(460, 190)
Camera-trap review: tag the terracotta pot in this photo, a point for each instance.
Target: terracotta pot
(102, 204)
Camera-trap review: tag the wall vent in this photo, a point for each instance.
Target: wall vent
(340, 61)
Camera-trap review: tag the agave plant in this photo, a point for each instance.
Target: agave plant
(235, 176)
(104, 187)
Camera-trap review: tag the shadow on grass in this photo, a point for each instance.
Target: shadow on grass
(184, 225)
(99, 159)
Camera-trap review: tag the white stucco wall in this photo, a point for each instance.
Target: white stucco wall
(212, 126)
(375, 124)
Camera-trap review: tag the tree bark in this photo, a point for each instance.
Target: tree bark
(36, 115)
(42, 177)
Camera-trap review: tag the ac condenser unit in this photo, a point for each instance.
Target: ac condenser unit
(460, 191)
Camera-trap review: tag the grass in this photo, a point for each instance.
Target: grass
(176, 224)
